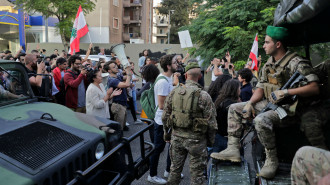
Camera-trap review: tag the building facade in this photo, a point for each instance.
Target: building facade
(160, 27)
(118, 21)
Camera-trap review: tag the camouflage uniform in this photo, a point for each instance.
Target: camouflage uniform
(310, 165)
(186, 141)
(265, 122)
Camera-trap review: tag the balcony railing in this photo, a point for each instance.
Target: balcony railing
(160, 34)
(126, 19)
(126, 3)
(136, 3)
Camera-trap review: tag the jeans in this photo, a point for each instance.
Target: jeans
(159, 147)
(220, 143)
(134, 98)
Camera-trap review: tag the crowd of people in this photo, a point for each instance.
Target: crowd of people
(192, 120)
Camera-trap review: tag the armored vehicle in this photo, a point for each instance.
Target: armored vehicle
(45, 143)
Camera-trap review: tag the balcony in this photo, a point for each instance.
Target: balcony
(126, 3)
(160, 34)
(136, 20)
(162, 24)
(128, 36)
(136, 3)
(126, 19)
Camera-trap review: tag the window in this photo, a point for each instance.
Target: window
(115, 23)
(162, 41)
(115, 3)
(161, 31)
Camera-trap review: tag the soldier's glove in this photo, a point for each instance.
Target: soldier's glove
(248, 110)
(278, 96)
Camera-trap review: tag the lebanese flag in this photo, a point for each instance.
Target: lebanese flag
(79, 30)
(254, 54)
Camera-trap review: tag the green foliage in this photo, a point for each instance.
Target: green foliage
(64, 10)
(232, 25)
(239, 65)
(179, 17)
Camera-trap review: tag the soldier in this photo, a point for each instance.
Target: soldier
(310, 166)
(276, 72)
(190, 125)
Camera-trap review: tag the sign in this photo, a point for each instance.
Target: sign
(185, 39)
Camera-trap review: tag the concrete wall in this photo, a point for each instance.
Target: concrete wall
(131, 50)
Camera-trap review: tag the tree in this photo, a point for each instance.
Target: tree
(64, 10)
(230, 25)
(179, 18)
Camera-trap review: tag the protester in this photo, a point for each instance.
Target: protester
(119, 104)
(143, 58)
(190, 130)
(229, 94)
(244, 77)
(216, 86)
(33, 69)
(162, 89)
(75, 83)
(97, 97)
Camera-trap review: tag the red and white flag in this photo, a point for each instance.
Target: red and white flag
(79, 30)
(254, 54)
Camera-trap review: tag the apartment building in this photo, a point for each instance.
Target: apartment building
(160, 27)
(118, 21)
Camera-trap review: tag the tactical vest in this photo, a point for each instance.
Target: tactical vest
(185, 111)
(276, 76)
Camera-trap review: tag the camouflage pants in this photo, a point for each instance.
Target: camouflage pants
(311, 123)
(179, 149)
(309, 165)
(264, 123)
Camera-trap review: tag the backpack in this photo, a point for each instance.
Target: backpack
(323, 70)
(60, 96)
(185, 106)
(147, 99)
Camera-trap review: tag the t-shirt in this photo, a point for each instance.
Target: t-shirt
(162, 88)
(122, 98)
(246, 92)
(35, 89)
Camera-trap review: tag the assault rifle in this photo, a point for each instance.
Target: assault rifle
(292, 82)
(295, 79)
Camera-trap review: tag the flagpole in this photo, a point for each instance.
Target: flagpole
(90, 40)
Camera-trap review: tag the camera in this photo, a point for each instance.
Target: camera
(39, 59)
(88, 68)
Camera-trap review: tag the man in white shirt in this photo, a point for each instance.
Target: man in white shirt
(162, 89)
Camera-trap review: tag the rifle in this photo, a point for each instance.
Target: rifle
(295, 79)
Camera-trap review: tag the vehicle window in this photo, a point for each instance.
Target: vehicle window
(12, 86)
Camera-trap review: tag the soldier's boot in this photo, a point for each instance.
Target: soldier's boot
(268, 171)
(231, 153)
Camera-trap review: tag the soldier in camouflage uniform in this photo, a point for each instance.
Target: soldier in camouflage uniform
(310, 166)
(190, 125)
(276, 72)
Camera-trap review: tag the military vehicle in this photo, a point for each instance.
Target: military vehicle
(308, 23)
(43, 143)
